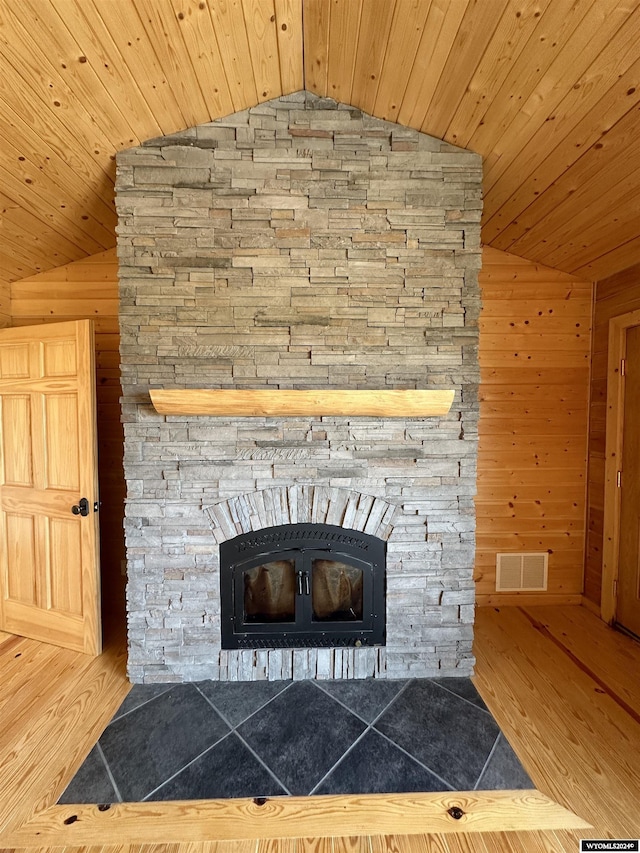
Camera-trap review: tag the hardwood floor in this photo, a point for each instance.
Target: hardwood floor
(563, 686)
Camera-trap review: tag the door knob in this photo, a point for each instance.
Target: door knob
(81, 508)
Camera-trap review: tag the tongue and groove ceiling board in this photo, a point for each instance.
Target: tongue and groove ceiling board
(548, 91)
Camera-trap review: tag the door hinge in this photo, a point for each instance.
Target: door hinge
(619, 479)
(615, 588)
(623, 366)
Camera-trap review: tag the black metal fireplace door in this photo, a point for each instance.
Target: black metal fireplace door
(302, 585)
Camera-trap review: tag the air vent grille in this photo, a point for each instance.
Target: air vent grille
(522, 572)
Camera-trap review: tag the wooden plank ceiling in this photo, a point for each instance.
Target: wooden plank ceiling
(548, 91)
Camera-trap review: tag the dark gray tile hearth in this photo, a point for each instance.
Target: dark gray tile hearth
(92, 783)
(237, 700)
(138, 695)
(367, 697)
(448, 734)
(226, 770)
(462, 687)
(503, 770)
(147, 746)
(212, 740)
(301, 735)
(374, 765)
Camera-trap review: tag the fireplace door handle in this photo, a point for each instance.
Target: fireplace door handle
(303, 583)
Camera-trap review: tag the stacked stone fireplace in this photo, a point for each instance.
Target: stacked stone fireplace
(300, 244)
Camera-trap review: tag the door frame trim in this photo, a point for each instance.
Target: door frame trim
(613, 457)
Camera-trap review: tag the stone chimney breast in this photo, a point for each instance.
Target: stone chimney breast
(300, 244)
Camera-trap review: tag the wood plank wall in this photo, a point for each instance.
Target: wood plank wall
(5, 304)
(79, 290)
(534, 361)
(616, 295)
(534, 351)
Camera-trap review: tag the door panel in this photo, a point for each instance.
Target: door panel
(58, 359)
(62, 463)
(66, 546)
(16, 439)
(22, 586)
(49, 573)
(14, 361)
(628, 605)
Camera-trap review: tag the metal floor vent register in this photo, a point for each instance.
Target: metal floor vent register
(302, 585)
(521, 572)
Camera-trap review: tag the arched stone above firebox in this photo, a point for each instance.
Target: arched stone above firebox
(301, 504)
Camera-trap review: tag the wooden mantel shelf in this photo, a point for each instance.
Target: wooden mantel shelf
(276, 402)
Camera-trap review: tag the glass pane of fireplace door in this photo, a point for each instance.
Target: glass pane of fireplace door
(270, 592)
(336, 591)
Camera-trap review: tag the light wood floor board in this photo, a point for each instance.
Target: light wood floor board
(592, 644)
(540, 670)
(56, 708)
(578, 744)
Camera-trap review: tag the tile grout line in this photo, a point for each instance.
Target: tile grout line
(464, 699)
(371, 727)
(355, 713)
(173, 775)
(262, 762)
(489, 757)
(234, 730)
(342, 705)
(252, 714)
(109, 773)
(339, 761)
(404, 687)
(368, 724)
(115, 719)
(210, 703)
(450, 787)
(421, 763)
(184, 767)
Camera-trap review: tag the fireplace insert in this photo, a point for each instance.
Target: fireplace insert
(302, 585)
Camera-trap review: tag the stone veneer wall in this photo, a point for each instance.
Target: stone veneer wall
(298, 244)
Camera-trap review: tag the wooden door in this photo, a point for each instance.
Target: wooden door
(628, 604)
(49, 571)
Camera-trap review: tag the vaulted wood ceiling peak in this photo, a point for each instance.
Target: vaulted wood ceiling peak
(548, 91)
